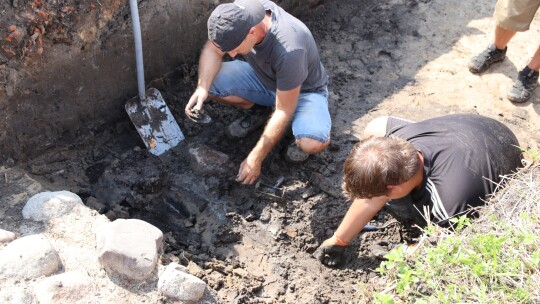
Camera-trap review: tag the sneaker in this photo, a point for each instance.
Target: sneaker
(253, 119)
(524, 86)
(294, 154)
(484, 60)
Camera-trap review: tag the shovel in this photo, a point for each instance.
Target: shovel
(148, 111)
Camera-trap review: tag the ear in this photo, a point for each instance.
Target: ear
(394, 190)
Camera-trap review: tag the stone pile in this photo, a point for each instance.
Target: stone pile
(65, 252)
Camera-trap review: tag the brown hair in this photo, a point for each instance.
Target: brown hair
(377, 162)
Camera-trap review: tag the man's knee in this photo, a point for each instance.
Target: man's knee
(311, 146)
(376, 127)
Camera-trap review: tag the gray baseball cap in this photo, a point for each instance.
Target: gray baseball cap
(230, 23)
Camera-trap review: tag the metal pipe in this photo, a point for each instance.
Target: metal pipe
(138, 48)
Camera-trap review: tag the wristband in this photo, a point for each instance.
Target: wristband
(340, 242)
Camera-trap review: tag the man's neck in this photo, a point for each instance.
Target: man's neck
(418, 178)
(264, 27)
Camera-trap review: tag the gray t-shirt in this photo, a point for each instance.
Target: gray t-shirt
(288, 55)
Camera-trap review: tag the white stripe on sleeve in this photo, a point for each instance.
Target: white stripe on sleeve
(438, 210)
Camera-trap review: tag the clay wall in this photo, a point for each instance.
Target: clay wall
(67, 69)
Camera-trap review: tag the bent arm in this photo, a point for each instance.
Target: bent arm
(277, 124)
(286, 102)
(359, 214)
(209, 65)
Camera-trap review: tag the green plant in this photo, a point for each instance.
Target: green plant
(460, 222)
(532, 154)
(492, 259)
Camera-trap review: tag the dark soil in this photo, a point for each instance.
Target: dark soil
(250, 249)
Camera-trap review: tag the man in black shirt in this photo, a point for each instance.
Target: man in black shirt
(448, 165)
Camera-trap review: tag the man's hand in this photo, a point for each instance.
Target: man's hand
(330, 253)
(250, 169)
(196, 101)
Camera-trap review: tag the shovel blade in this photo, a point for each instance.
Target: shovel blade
(154, 122)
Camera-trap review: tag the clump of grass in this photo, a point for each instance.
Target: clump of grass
(493, 259)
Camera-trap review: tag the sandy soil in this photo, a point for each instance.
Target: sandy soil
(404, 58)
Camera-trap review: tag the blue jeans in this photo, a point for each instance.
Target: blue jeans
(311, 117)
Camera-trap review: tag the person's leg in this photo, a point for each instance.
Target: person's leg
(495, 52)
(527, 81)
(236, 84)
(513, 16)
(502, 37)
(311, 124)
(517, 15)
(510, 16)
(534, 64)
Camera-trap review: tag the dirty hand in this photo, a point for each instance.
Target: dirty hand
(250, 169)
(196, 101)
(330, 253)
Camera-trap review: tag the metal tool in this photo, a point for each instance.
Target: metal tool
(369, 228)
(273, 192)
(148, 111)
(199, 116)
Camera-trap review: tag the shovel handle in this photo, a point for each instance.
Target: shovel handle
(138, 48)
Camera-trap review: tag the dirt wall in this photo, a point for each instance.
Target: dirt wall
(67, 67)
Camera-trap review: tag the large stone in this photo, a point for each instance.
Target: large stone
(48, 205)
(15, 189)
(206, 161)
(28, 257)
(129, 247)
(325, 184)
(16, 295)
(6, 236)
(69, 287)
(178, 285)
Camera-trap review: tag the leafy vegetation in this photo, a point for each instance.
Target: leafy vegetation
(493, 259)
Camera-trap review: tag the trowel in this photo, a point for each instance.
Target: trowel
(148, 111)
(272, 192)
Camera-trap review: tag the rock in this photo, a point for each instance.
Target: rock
(195, 269)
(28, 257)
(6, 236)
(129, 247)
(521, 113)
(95, 204)
(16, 186)
(325, 184)
(69, 287)
(16, 295)
(176, 284)
(205, 161)
(308, 193)
(45, 206)
(241, 272)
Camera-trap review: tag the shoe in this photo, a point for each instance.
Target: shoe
(524, 86)
(294, 154)
(484, 60)
(253, 119)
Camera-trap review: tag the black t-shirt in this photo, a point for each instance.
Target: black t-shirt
(464, 158)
